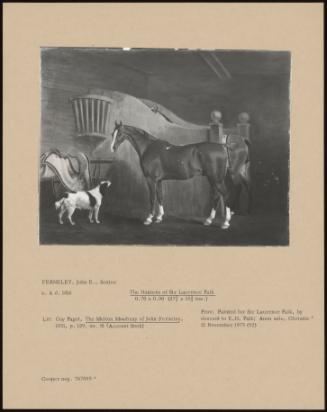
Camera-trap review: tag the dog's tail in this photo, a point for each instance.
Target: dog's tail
(59, 202)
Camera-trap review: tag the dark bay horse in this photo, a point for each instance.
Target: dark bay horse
(161, 160)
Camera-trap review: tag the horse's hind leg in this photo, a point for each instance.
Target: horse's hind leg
(160, 199)
(228, 216)
(215, 200)
(226, 195)
(233, 185)
(152, 196)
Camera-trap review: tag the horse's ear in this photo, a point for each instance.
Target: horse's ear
(121, 123)
(116, 123)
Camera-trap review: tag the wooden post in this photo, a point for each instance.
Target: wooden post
(243, 126)
(216, 133)
(216, 127)
(244, 131)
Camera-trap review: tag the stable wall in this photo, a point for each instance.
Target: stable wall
(191, 91)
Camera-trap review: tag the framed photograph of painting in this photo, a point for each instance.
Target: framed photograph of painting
(163, 206)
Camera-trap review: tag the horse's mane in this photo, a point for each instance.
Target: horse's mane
(146, 134)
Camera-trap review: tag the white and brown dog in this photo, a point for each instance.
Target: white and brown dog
(87, 200)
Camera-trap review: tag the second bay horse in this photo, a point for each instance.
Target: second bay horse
(161, 160)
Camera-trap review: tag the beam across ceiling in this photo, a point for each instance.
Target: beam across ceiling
(216, 65)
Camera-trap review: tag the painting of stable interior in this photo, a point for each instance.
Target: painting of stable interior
(170, 94)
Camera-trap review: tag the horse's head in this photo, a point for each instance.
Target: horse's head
(118, 136)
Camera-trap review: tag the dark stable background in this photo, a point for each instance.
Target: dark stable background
(184, 83)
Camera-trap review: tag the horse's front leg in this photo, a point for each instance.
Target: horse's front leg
(160, 206)
(152, 196)
(210, 218)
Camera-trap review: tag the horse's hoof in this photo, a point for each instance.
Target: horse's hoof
(225, 226)
(207, 222)
(73, 223)
(158, 220)
(147, 222)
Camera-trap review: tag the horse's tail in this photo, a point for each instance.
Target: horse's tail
(246, 178)
(248, 144)
(242, 179)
